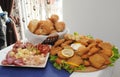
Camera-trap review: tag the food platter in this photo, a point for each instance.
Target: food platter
(5, 51)
(72, 58)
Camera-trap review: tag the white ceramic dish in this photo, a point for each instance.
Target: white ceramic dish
(4, 52)
(113, 71)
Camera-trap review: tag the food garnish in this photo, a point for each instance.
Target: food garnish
(115, 55)
(67, 52)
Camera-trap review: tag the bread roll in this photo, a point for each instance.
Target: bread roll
(54, 18)
(33, 24)
(60, 26)
(44, 27)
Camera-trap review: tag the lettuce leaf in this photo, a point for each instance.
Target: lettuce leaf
(57, 66)
(90, 36)
(75, 33)
(64, 65)
(116, 55)
(53, 58)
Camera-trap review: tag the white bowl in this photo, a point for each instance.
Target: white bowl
(47, 39)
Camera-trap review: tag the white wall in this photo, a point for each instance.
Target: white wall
(100, 18)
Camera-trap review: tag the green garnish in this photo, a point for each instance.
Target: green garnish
(64, 65)
(90, 36)
(52, 58)
(116, 55)
(67, 67)
(57, 66)
(81, 67)
(75, 33)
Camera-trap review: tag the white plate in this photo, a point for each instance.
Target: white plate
(4, 52)
(107, 72)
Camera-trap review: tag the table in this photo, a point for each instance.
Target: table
(50, 71)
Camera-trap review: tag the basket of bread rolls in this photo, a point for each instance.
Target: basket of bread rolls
(46, 31)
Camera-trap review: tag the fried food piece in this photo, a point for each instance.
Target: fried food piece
(38, 31)
(44, 27)
(93, 50)
(44, 30)
(68, 36)
(105, 45)
(98, 40)
(90, 41)
(107, 52)
(76, 60)
(97, 60)
(84, 40)
(82, 50)
(68, 42)
(54, 18)
(60, 26)
(67, 47)
(55, 50)
(106, 58)
(92, 45)
(47, 26)
(86, 63)
(33, 24)
(59, 42)
(50, 24)
(85, 56)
